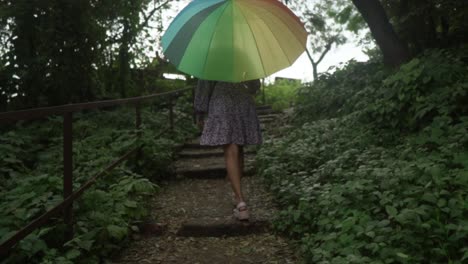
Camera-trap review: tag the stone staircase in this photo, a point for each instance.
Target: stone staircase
(205, 162)
(194, 213)
(208, 162)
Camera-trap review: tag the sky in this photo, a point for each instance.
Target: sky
(302, 68)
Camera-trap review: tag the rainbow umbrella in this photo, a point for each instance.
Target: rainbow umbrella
(234, 40)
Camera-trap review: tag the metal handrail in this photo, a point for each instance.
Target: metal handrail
(66, 111)
(62, 109)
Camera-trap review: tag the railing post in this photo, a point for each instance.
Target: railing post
(194, 115)
(68, 171)
(263, 92)
(139, 152)
(138, 118)
(138, 134)
(171, 113)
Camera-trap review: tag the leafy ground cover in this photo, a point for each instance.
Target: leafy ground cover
(374, 168)
(31, 180)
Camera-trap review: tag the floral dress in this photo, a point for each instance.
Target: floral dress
(231, 114)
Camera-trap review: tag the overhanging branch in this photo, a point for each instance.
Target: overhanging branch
(151, 14)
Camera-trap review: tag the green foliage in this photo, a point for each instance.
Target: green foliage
(54, 52)
(327, 22)
(31, 180)
(340, 93)
(434, 84)
(425, 24)
(280, 95)
(354, 191)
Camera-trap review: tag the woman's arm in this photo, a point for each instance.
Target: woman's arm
(202, 96)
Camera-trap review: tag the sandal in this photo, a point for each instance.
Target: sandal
(241, 212)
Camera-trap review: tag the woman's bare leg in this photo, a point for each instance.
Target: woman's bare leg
(241, 160)
(231, 156)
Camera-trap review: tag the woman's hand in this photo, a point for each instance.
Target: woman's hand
(200, 121)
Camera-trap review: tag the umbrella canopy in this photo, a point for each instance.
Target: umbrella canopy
(234, 40)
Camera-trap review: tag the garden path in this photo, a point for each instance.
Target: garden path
(194, 215)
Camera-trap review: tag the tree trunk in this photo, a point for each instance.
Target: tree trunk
(315, 70)
(124, 61)
(316, 63)
(24, 50)
(395, 52)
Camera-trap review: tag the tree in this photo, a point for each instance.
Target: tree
(135, 19)
(427, 24)
(56, 52)
(51, 52)
(394, 51)
(323, 22)
(350, 14)
(323, 35)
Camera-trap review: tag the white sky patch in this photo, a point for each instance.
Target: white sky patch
(173, 76)
(302, 68)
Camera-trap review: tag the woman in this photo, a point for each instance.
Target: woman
(227, 113)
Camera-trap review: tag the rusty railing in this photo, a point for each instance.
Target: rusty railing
(66, 206)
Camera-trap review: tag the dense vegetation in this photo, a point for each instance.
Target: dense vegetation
(31, 180)
(55, 52)
(375, 167)
(280, 94)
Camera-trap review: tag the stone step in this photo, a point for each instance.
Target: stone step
(269, 116)
(195, 144)
(267, 112)
(266, 120)
(205, 208)
(263, 107)
(209, 167)
(221, 227)
(199, 152)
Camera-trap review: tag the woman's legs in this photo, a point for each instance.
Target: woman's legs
(234, 167)
(241, 162)
(241, 159)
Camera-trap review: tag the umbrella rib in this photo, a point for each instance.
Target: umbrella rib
(267, 24)
(211, 39)
(297, 20)
(253, 35)
(281, 18)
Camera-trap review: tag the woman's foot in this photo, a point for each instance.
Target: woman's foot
(241, 212)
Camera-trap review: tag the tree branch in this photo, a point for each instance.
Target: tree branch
(151, 14)
(327, 49)
(310, 57)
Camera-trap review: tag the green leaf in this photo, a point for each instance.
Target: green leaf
(429, 197)
(117, 231)
(85, 244)
(465, 256)
(72, 254)
(402, 255)
(131, 204)
(391, 211)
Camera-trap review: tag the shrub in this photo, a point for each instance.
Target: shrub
(280, 95)
(106, 213)
(426, 87)
(353, 188)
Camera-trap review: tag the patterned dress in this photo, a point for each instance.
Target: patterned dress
(232, 117)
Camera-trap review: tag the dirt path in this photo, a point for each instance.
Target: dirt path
(195, 213)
